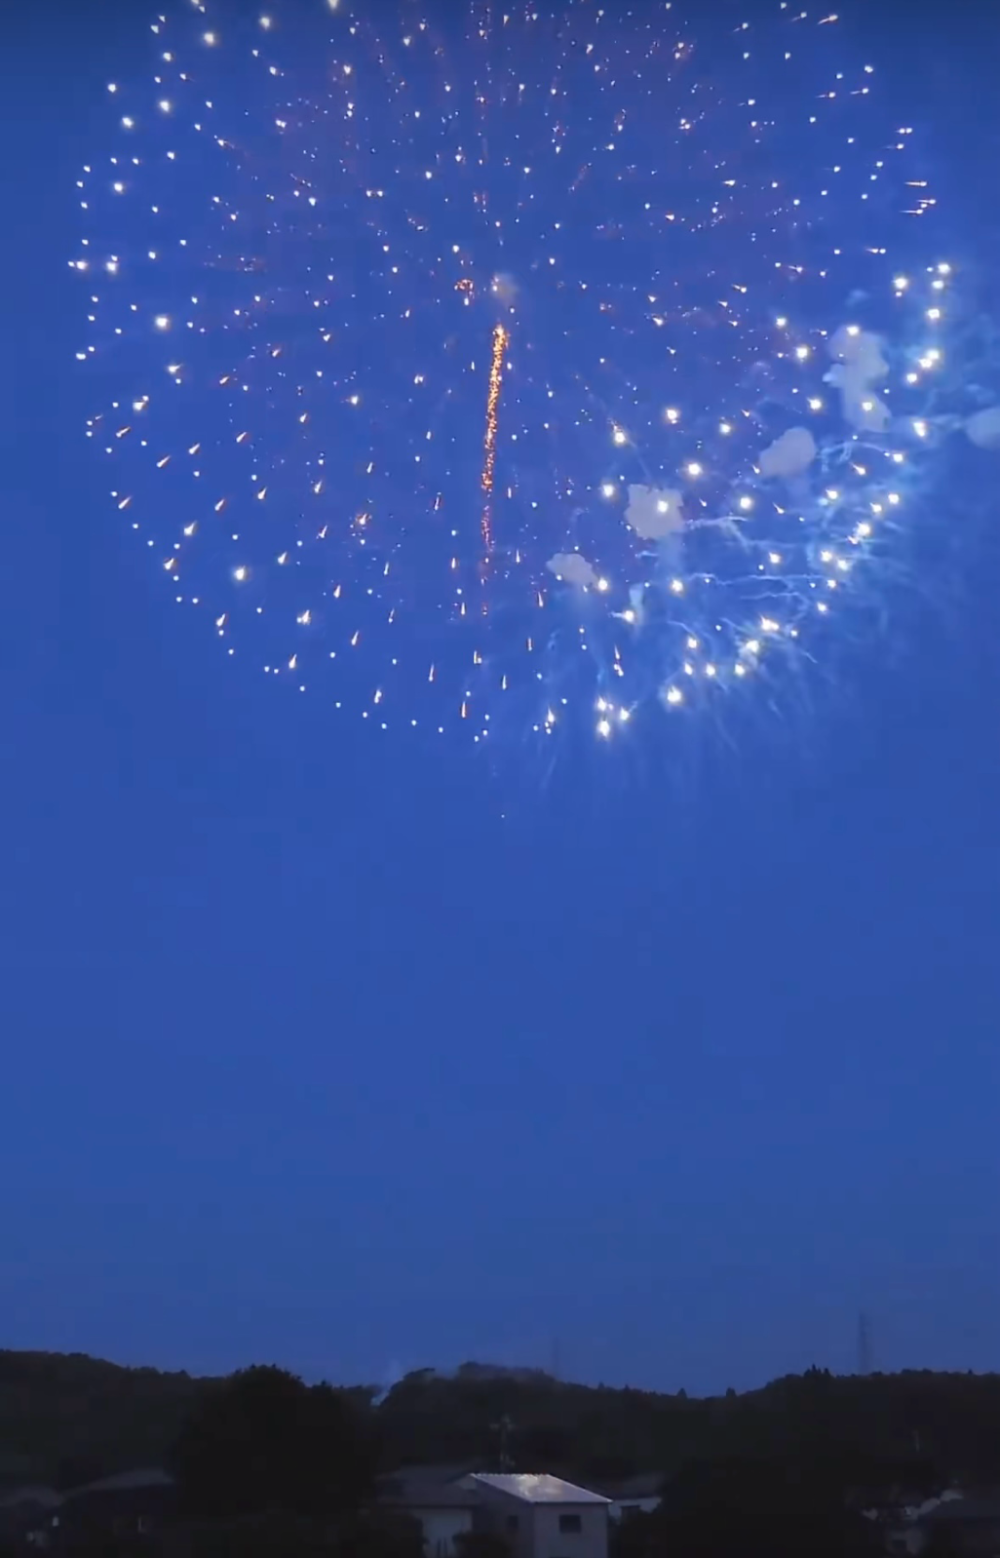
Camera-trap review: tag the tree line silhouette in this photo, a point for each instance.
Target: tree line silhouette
(265, 1463)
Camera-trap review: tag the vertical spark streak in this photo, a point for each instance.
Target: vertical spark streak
(500, 339)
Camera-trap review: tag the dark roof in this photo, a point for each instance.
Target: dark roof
(34, 1494)
(984, 1507)
(644, 1484)
(126, 1482)
(426, 1487)
(432, 1471)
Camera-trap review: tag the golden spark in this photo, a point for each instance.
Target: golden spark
(500, 339)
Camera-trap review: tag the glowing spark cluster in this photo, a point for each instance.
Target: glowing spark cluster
(492, 422)
(714, 253)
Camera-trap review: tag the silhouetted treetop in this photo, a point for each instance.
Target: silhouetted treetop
(65, 1419)
(263, 1441)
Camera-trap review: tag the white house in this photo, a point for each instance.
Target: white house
(542, 1516)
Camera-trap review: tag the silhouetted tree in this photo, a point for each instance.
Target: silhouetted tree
(274, 1535)
(753, 1508)
(639, 1534)
(67, 1418)
(73, 1471)
(544, 1447)
(374, 1533)
(264, 1442)
(481, 1544)
(383, 1533)
(943, 1542)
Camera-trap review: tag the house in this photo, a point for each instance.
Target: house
(542, 1516)
(26, 1515)
(899, 1516)
(434, 1497)
(640, 1494)
(133, 1503)
(968, 1525)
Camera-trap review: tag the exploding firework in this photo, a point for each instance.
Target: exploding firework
(689, 269)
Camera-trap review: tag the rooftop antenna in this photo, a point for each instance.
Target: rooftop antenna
(865, 1365)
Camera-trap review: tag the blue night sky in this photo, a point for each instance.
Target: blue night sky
(325, 1047)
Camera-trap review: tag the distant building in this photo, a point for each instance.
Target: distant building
(133, 1503)
(640, 1494)
(538, 1515)
(969, 1525)
(900, 1515)
(433, 1495)
(26, 1515)
(542, 1516)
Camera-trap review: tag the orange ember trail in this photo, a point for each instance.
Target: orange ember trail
(500, 339)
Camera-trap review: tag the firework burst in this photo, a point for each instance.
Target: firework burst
(697, 259)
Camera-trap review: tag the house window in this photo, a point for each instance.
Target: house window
(570, 1523)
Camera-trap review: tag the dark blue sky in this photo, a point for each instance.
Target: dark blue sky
(312, 1056)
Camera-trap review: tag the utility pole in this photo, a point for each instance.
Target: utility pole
(865, 1364)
